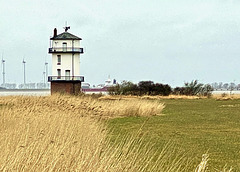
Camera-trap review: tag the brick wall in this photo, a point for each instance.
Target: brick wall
(66, 87)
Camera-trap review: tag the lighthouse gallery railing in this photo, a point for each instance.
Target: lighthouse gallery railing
(66, 78)
(65, 50)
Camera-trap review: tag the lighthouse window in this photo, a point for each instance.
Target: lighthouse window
(64, 47)
(59, 73)
(67, 74)
(58, 59)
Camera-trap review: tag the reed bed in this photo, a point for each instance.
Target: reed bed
(48, 142)
(84, 106)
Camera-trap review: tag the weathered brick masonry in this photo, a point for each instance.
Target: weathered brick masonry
(66, 87)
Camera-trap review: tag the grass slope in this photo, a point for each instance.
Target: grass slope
(195, 127)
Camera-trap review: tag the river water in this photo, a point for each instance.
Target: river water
(25, 92)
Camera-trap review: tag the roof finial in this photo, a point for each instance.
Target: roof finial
(66, 27)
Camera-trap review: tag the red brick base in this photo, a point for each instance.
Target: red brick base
(66, 87)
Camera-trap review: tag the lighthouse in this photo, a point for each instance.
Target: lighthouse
(65, 50)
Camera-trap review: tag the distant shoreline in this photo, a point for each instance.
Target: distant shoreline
(7, 90)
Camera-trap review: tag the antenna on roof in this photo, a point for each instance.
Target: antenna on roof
(66, 27)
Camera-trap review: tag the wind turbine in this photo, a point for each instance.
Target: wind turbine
(44, 79)
(46, 70)
(24, 72)
(3, 70)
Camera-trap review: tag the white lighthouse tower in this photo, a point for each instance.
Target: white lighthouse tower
(65, 50)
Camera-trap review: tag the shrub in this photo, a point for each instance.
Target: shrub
(114, 90)
(125, 88)
(206, 90)
(146, 87)
(161, 89)
(179, 91)
(193, 89)
(142, 88)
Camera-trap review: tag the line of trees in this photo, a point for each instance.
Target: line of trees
(151, 88)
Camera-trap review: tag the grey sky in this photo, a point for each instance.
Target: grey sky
(167, 41)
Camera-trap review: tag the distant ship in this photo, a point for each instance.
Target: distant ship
(100, 88)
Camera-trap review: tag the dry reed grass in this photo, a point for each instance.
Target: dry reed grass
(226, 96)
(214, 96)
(84, 106)
(122, 97)
(203, 166)
(48, 142)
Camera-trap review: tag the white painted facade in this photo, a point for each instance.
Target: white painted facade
(69, 62)
(66, 64)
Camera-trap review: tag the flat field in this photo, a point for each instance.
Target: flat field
(195, 127)
(67, 133)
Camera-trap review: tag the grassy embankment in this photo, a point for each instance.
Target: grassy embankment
(195, 126)
(65, 133)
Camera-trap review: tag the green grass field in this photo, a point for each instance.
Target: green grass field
(194, 127)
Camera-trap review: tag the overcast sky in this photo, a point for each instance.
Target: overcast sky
(166, 41)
